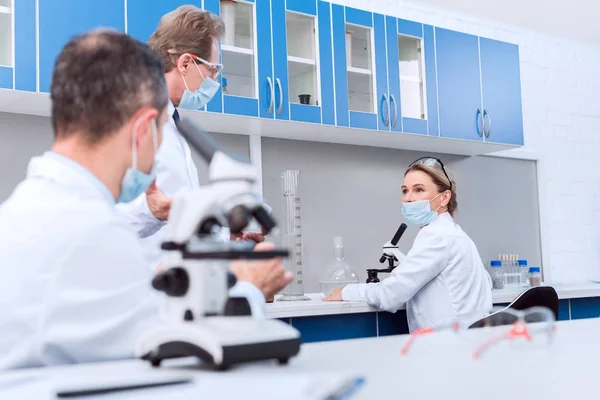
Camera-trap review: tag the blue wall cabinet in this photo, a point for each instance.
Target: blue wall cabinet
(143, 15)
(246, 56)
(6, 46)
(25, 46)
(501, 92)
(60, 20)
(459, 91)
(302, 61)
(354, 62)
(17, 45)
(406, 83)
(479, 88)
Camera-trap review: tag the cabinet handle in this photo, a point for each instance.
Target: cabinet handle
(280, 108)
(393, 100)
(480, 126)
(384, 98)
(272, 91)
(489, 130)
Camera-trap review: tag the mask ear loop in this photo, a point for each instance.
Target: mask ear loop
(155, 135)
(136, 125)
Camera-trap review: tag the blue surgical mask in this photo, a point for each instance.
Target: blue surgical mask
(136, 182)
(200, 97)
(419, 213)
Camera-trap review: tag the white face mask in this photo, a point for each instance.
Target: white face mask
(419, 213)
(200, 97)
(135, 182)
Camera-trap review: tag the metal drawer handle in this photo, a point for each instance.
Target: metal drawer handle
(393, 100)
(489, 130)
(270, 82)
(280, 108)
(384, 98)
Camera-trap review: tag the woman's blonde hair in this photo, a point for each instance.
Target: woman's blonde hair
(438, 176)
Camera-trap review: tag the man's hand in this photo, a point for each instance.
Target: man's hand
(159, 204)
(254, 236)
(336, 295)
(268, 276)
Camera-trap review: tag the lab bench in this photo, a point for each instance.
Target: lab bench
(436, 366)
(323, 321)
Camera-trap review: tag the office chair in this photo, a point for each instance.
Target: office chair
(540, 296)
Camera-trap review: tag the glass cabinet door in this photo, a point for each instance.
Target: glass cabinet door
(6, 45)
(354, 67)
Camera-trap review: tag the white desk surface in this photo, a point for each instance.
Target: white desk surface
(439, 365)
(314, 306)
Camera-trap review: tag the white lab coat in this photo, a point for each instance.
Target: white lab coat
(441, 279)
(74, 284)
(175, 174)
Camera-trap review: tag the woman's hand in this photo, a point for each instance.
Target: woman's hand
(336, 295)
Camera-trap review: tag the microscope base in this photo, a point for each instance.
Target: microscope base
(221, 341)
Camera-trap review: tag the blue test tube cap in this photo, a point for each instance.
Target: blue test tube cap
(522, 262)
(534, 269)
(495, 263)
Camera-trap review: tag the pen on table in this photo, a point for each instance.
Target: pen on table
(346, 390)
(120, 388)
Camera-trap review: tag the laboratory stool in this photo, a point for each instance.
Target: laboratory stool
(539, 296)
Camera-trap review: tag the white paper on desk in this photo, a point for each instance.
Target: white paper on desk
(17, 389)
(259, 386)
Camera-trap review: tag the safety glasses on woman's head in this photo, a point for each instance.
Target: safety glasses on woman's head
(430, 162)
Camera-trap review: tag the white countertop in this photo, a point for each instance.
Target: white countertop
(440, 365)
(315, 306)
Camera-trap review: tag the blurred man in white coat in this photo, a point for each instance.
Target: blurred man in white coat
(75, 286)
(187, 40)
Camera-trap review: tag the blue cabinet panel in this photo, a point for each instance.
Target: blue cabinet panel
(459, 91)
(336, 327)
(413, 125)
(240, 105)
(359, 17)
(326, 65)
(563, 310)
(392, 323)
(391, 25)
(410, 28)
(431, 81)
(381, 72)
(216, 104)
(305, 113)
(143, 15)
(280, 67)
(339, 57)
(363, 120)
(501, 89)
(585, 308)
(81, 16)
(265, 60)
(25, 50)
(6, 78)
(303, 6)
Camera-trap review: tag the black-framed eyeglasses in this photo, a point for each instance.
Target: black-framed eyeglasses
(430, 162)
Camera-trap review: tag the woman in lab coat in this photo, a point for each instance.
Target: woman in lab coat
(442, 278)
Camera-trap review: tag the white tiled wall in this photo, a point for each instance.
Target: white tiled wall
(561, 113)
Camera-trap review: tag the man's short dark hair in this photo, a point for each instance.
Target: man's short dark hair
(100, 80)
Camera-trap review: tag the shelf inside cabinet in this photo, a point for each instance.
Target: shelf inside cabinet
(359, 71)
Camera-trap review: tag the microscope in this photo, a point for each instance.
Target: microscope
(391, 254)
(201, 320)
